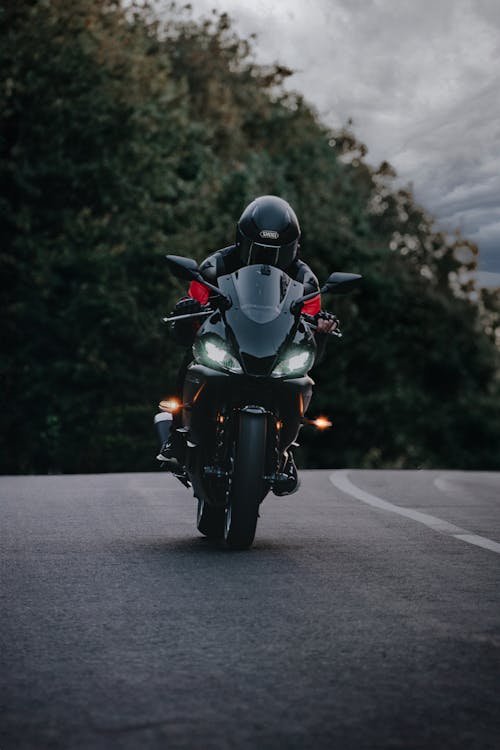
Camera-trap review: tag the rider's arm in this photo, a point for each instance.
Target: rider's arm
(183, 331)
(302, 273)
(313, 307)
(211, 268)
(325, 323)
(321, 339)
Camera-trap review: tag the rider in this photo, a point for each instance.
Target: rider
(267, 232)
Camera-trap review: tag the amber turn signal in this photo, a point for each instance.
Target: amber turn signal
(170, 404)
(322, 423)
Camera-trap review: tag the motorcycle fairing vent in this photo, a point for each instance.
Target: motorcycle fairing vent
(258, 365)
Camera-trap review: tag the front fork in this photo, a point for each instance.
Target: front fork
(225, 431)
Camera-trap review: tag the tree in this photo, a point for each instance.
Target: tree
(124, 137)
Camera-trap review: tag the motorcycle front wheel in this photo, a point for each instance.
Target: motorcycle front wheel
(248, 487)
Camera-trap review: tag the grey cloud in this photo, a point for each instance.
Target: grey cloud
(421, 83)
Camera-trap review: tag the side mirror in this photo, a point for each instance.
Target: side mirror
(341, 283)
(187, 269)
(336, 283)
(183, 268)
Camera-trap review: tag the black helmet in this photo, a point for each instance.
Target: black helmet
(268, 232)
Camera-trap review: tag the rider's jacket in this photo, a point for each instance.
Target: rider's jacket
(228, 261)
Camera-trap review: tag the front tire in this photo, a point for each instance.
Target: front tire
(248, 487)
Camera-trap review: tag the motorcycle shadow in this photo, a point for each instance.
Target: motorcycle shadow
(187, 546)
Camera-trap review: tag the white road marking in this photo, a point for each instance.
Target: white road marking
(340, 479)
(480, 541)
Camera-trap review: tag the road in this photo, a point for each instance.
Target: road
(347, 625)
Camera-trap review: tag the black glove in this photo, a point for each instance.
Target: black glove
(187, 306)
(182, 331)
(323, 315)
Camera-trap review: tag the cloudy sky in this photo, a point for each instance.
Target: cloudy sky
(419, 78)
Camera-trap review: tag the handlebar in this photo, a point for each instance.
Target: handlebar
(205, 311)
(172, 319)
(208, 310)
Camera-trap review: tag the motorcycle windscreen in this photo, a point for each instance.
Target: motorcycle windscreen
(261, 291)
(260, 317)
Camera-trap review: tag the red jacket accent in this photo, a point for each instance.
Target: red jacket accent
(199, 291)
(312, 306)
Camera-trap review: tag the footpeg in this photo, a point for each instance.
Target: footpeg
(215, 471)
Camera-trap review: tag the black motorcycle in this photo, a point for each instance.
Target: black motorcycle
(246, 392)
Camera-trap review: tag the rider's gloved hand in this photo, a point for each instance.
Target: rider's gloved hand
(326, 322)
(183, 331)
(187, 306)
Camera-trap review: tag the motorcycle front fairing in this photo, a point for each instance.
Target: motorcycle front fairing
(259, 322)
(258, 330)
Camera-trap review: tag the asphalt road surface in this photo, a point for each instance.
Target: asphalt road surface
(366, 615)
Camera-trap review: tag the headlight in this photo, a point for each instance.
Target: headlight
(293, 363)
(213, 352)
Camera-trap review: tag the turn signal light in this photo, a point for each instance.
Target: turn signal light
(170, 404)
(322, 423)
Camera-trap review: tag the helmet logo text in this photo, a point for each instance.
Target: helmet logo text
(269, 234)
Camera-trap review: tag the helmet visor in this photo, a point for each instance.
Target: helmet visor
(266, 254)
(280, 256)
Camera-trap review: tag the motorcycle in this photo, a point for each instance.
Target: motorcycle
(246, 391)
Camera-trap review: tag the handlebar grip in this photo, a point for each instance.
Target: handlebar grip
(309, 318)
(314, 325)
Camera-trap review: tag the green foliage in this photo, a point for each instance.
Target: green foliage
(122, 139)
